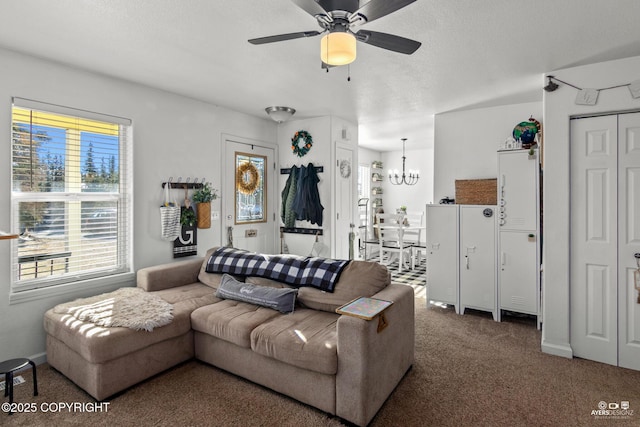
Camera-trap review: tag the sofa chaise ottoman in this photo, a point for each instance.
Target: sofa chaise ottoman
(339, 364)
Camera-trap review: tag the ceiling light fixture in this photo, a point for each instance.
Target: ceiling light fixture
(410, 179)
(280, 114)
(551, 86)
(338, 48)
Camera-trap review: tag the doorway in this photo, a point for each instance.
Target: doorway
(248, 196)
(605, 235)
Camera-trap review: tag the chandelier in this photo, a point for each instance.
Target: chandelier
(410, 178)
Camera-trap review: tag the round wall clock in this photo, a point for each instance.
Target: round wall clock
(345, 168)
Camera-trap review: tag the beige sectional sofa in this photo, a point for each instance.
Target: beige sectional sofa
(337, 363)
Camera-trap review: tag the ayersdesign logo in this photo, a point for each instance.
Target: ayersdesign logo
(613, 410)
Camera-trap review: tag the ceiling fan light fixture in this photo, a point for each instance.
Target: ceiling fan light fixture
(280, 114)
(338, 48)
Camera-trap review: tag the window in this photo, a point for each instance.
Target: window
(364, 181)
(250, 188)
(70, 195)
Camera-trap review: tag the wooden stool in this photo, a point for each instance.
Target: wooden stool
(8, 368)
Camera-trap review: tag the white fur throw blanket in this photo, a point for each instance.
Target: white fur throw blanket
(128, 307)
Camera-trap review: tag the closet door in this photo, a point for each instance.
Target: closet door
(605, 235)
(628, 239)
(594, 246)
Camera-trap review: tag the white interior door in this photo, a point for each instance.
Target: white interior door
(345, 202)
(628, 240)
(249, 220)
(605, 234)
(594, 248)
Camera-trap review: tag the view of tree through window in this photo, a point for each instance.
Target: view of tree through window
(67, 193)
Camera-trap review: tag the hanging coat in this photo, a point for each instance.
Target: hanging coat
(287, 213)
(307, 204)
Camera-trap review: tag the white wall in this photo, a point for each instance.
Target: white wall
(173, 136)
(466, 142)
(320, 155)
(559, 106)
(326, 133)
(367, 156)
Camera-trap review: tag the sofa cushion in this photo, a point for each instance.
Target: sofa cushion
(267, 282)
(158, 277)
(231, 320)
(98, 344)
(358, 279)
(210, 279)
(280, 299)
(306, 339)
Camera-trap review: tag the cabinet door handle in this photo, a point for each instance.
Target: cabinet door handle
(503, 258)
(466, 260)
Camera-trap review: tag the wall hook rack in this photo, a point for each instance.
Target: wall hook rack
(301, 230)
(287, 171)
(187, 184)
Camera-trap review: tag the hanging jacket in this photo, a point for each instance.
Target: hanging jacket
(287, 214)
(306, 203)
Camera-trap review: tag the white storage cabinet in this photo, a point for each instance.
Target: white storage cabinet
(461, 256)
(519, 232)
(477, 263)
(442, 223)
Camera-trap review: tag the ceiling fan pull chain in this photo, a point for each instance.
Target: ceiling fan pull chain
(348, 72)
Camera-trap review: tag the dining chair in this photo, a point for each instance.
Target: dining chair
(415, 234)
(391, 238)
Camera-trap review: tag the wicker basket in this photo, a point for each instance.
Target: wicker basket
(476, 191)
(204, 214)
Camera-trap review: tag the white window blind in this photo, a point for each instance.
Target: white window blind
(71, 198)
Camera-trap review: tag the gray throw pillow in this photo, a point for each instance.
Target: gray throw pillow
(281, 299)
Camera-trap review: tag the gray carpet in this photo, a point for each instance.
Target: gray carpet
(468, 371)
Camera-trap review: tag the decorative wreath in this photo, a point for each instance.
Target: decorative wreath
(301, 143)
(247, 186)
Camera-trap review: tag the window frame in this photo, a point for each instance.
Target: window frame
(121, 272)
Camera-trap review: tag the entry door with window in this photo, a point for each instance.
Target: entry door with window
(605, 235)
(248, 200)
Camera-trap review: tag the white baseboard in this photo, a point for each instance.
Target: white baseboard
(557, 349)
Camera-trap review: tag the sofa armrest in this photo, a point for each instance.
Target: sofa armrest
(170, 275)
(371, 364)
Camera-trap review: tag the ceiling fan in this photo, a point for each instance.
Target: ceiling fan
(337, 18)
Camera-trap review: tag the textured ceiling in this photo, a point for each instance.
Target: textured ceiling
(474, 53)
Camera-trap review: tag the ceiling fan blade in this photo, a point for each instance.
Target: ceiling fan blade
(283, 37)
(311, 7)
(388, 41)
(378, 8)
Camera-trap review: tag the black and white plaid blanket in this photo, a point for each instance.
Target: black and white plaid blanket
(321, 273)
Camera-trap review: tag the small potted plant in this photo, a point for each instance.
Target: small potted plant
(188, 217)
(202, 198)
